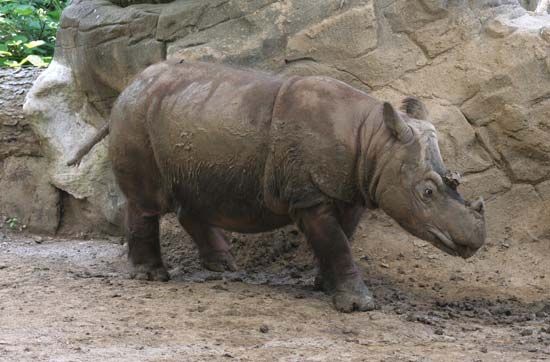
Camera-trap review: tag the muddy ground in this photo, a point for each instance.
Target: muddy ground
(71, 300)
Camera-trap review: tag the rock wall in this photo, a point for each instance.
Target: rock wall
(26, 193)
(482, 67)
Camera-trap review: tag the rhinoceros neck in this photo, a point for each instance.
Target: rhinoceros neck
(374, 138)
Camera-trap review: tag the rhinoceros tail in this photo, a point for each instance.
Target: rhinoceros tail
(86, 147)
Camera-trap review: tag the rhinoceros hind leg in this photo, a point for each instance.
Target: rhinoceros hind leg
(219, 261)
(142, 233)
(338, 275)
(212, 244)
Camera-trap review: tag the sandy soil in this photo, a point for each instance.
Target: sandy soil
(71, 300)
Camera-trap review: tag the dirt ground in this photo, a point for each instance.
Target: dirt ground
(71, 300)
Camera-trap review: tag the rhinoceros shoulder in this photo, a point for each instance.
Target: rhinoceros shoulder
(314, 134)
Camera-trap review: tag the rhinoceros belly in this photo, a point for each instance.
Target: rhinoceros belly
(210, 134)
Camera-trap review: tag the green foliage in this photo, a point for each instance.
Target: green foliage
(27, 31)
(13, 223)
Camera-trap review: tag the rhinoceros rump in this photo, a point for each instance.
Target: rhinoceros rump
(246, 151)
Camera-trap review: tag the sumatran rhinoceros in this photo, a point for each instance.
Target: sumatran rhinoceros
(249, 152)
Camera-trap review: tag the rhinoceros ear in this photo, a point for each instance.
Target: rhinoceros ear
(396, 124)
(415, 108)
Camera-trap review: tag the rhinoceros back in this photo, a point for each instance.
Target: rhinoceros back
(208, 127)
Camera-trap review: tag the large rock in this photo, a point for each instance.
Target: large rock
(28, 196)
(61, 117)
(16, 136)
(26, 193)
(481, 66)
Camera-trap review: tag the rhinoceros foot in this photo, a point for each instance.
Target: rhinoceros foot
(219, 261)
(348, 295)
(148, 272)
(354, 298)
(353, 295)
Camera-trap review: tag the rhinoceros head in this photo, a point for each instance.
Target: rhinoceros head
(415, 188)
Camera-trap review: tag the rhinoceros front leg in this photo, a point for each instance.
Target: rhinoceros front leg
(339, 274)
(142, 233)
(348, 218)
(212, 244)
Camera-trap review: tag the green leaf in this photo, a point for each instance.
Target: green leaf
(55, 15)
(7, 9)
(12, 64)
(35, 60)
(34, 44)
(24, 10)
(20, 38)
(27, 31)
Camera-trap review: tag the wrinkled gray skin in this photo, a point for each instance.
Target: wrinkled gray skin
(250, 152)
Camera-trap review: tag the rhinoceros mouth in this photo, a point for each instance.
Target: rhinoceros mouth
(445, 242)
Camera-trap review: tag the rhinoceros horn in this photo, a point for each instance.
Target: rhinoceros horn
(452, 179)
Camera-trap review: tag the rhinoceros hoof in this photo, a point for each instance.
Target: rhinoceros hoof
(147, 272)
(353, 296)
(219, 261)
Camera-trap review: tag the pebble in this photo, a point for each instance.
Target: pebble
(349, 331)
(411, 317)
(526, 332)
(483, 349)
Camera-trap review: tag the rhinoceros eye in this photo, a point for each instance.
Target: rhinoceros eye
(428, 192)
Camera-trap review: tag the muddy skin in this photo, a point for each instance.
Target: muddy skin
(249, 152)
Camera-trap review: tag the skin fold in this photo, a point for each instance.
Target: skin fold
(246, 151)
